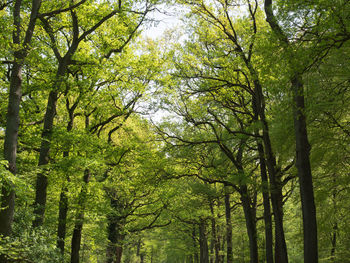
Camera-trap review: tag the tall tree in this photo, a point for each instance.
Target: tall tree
(64, 61)
(15, 93)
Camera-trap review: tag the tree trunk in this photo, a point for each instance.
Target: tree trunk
(195, 247)
(10, 148)
(302, 149)
(115, 235)
(214, 242)
(142, 258)
(222, 244)
(63, 203)
(250, 223)
(79, 220)
(334, 241)
(267, 209)
(229, 246)
(41, 182)
(281, 255)
(335, 223)
(62, 219)
(304, 173)
(7, 207)
(258, 105)
(203, 243)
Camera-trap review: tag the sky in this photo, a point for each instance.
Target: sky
(167, 17)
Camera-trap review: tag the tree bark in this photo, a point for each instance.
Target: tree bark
(267, 209)
(63, 203)
(258, 109)
(302, 149)
(335, 224)
(304, 173)
(258, 105)
(79, 220)
(41, 182)
(214, 242)
(62, 219)
(334, 241)
(250, 223)
(12, 117)
(10, 149)
(281, 255)
(203, 243)
(229, 246)
(195, 247)
(115, 235)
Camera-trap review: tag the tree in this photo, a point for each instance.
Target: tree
(22, 46)
(64, 61)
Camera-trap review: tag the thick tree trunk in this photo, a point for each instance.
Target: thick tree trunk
(12, 118)
(10, 149)
(203, 243)
(304, 173)
(250, 223)
(195, 247)
(115, 235)
(229, 246)
(115, 248)
(79, 220)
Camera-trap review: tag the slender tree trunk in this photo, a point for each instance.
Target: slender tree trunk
(195, 247)
(215, 242)
(258, 109)
(7, 207)
(304, 173)
(281, 255)
(229, 246)
(258, 104)
(335, 224)
(63, 203)
(79, 220)
(222, 244)
(267, 209)
(62, 219)
(203, 243)
(41, 181)
(302, 149)
(334, 241)
(250, 223)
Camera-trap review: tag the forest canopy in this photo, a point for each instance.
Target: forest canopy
(222, 138)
